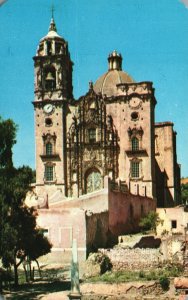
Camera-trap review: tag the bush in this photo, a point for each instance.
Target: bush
(150, 221)
(142, 274)
(152, 275)
(102, 260)
(172, 270)
(164, 282)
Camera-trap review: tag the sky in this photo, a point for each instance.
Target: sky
(151, 35)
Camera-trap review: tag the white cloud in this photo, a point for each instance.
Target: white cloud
(185, 2)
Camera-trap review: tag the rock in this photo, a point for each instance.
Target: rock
(181, 283)
(97, 264)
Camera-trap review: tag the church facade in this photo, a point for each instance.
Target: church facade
(107, 135)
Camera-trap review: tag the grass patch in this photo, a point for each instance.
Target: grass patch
(128, 276)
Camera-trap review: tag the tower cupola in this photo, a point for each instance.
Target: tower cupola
(53, 67)
(115, 61)
(52, 43)
(107, 83)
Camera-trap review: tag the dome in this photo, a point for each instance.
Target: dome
(106, 84)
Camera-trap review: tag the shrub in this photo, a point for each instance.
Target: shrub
(151, 275)
(150, 221)
(102, 260)
(141, 274)
(164, 282)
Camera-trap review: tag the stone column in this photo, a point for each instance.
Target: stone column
(75, 285)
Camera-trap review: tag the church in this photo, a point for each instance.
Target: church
(102, 162)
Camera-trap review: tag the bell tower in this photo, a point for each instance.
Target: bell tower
(53, 92)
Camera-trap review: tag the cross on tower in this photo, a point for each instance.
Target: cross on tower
(52, 9)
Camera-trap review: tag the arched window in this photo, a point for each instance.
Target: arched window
(49, 149)
(49, 144)
(135, 144)
(92, 135)
(49, 48)
(93, 181)
(50, 78)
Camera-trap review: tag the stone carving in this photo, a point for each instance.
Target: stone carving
(135, 131)
(92, 145)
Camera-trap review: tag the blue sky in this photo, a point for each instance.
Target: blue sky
(151, 35)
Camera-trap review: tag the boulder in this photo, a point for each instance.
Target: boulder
(97, 264)
(181, 282)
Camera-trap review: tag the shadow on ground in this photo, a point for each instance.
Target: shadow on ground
(37, 290)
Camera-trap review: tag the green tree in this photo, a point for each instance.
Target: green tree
(150, 221)
(184, 193)
(19, 235)
(7, 140)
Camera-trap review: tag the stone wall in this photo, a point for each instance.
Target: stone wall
(126, 210)
(133, 259)
(96, 230)
(95, 220)
(167, 177)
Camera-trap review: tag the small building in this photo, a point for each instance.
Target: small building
(174, 220)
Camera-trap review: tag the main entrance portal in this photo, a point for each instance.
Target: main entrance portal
(93, 181)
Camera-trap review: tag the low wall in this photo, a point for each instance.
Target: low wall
(95, 202)
(133, 259)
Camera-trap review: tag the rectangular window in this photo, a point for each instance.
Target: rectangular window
(135, 144)
(135, 169)
(48, 149)
(173, 224)
(49, 173)
(92, 135)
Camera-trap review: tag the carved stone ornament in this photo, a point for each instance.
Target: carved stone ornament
(50, 94)
(135, 103)
(135, 131)
(92, 144)
(39, 94)
(60, 94)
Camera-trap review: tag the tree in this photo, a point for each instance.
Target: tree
(19, 235)
(7, 139)
(184, 193)
(150, 221)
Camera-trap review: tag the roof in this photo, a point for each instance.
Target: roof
(52, 33)
(106, 84)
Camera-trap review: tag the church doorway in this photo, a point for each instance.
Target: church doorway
(93, 181)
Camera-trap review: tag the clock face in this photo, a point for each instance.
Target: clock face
(135, 102)
(48, 108)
